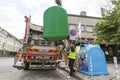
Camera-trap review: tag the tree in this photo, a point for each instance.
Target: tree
(108, 29)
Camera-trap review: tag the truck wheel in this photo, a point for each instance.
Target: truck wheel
(26, 66)
(56, 65)
(54, 68)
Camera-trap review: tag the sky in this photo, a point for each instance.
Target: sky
(12, 12)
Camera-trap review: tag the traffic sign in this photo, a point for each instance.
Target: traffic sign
(72, 32)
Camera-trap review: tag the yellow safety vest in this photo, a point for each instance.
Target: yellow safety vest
(72, 55)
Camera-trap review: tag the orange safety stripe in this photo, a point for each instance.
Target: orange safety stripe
(16, 57)
(50, 50)
(33, 50)
(36, 50)
(56, 50)
(53, 50)
(29, 49)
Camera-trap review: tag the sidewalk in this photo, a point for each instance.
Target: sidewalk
(81, 76)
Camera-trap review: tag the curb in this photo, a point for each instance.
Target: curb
(74, 75)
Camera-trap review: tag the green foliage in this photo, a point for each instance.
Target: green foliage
(108, 29)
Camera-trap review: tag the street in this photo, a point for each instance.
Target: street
(7, 72)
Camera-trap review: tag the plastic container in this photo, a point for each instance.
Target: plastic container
(55, 24)
(94, 62)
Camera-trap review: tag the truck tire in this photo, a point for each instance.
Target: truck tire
(56, 66)
(26, 66)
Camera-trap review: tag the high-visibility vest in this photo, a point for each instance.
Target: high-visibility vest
(72, 55)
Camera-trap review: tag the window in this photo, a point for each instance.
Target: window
(83, 28)
(72, 25)
(0, 38)
(82, 38)
(3, 39)
(89, 28)
(90, 40)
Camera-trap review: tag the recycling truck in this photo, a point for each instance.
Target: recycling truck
(36, 51)
(43, 46)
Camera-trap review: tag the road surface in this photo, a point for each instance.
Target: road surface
(7, 72)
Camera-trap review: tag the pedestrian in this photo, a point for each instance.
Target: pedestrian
(72, 57)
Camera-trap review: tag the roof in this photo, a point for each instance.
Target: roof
(84, 16)
(9, 34)
(90, 47)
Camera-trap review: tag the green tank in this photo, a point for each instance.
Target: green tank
(55, 24)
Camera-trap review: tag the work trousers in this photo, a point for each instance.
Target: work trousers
(71, 64)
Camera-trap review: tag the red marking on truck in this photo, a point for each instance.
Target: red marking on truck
(52, 55)
(32, 50)
(53, 50)
(16, 57)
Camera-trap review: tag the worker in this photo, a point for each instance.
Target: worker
(72, 57)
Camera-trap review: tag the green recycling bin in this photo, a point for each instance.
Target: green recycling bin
(55, 24)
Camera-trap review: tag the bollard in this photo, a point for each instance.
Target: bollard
(116, 68)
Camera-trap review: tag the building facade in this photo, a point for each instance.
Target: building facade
(84, 26)
(8, 43)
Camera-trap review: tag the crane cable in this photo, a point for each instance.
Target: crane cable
(86, 4)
